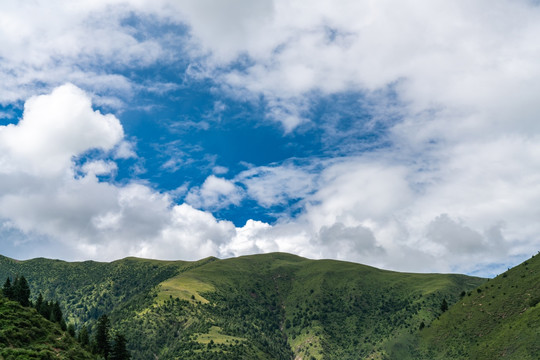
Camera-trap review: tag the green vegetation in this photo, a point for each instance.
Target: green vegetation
(19, 291)
(272, 306)
(25, 334)
(499, 320)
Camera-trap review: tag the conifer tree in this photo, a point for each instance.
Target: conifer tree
(21, 291)
(83, 337)
(56, 313)
(45, 310)
(444, 305)
(119, 351)
(102, 344)
(71, 330)
(7, 289)
(39, 303)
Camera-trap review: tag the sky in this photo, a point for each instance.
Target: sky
(403, 135)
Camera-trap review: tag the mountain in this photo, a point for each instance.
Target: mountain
(498, 320)
(25, 334)
(271, 306)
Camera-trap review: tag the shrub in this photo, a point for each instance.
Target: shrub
(534, 301)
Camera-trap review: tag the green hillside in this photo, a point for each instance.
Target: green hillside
(499, 320)
(272, 306)
(24, 334)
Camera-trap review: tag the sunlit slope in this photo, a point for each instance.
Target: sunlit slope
(499, 320)
(88, 289)
(271, 306)
(323, 308)
(24, 334)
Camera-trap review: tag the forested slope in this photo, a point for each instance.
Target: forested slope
(272, 306)
(25, 334)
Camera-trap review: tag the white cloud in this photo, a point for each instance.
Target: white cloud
(474, 208)
(125, 150)
(465, 76)
(220, 170)
(46, 43)
(99, 167)
(461, 58)
(215, 193)
(45, 201)
(277, 185)
(54, 128)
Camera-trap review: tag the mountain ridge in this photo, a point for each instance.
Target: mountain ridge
(264, 306)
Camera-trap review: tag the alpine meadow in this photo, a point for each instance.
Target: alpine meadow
(269, 179)
(281, 306)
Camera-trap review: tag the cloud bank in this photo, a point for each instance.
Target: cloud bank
(454, 188)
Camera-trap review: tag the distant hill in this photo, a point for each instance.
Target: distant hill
(271, 306)
(24, 334)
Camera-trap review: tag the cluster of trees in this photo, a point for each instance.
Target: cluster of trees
(50, 310)
(17, 291)
(103, 344)
(110, 347)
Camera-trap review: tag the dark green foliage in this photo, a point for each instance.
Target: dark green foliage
(444, 305)
(119, 351)
(24, 334)
(7, 289)
(273, 306)
(102, 344)
(83, 337)
(18, 291)
(21, 291)
(39, 303)
(71, 330)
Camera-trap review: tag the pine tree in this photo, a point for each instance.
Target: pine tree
(39, 303)
(46, 309)
(83, 337)
(71, 330)
(7, 289)
(22, 291)
(119, 351)
(103, 346)
(444, 305)
(56, 313)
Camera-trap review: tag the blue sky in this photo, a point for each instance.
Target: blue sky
(403, 136)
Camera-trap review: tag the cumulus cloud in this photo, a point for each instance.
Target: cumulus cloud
(474, 211)
(44, 195)
(459, 67)
(277, 185)
(46, 43)
(215, 193)
(54, 128)
(465, 77)
(458, 176)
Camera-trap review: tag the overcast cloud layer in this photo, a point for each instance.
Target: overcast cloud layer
(449, 182)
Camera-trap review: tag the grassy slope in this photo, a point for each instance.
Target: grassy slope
(499, 320)
(342, 310)
(24, 334)
(272, 306)
(338, 309)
